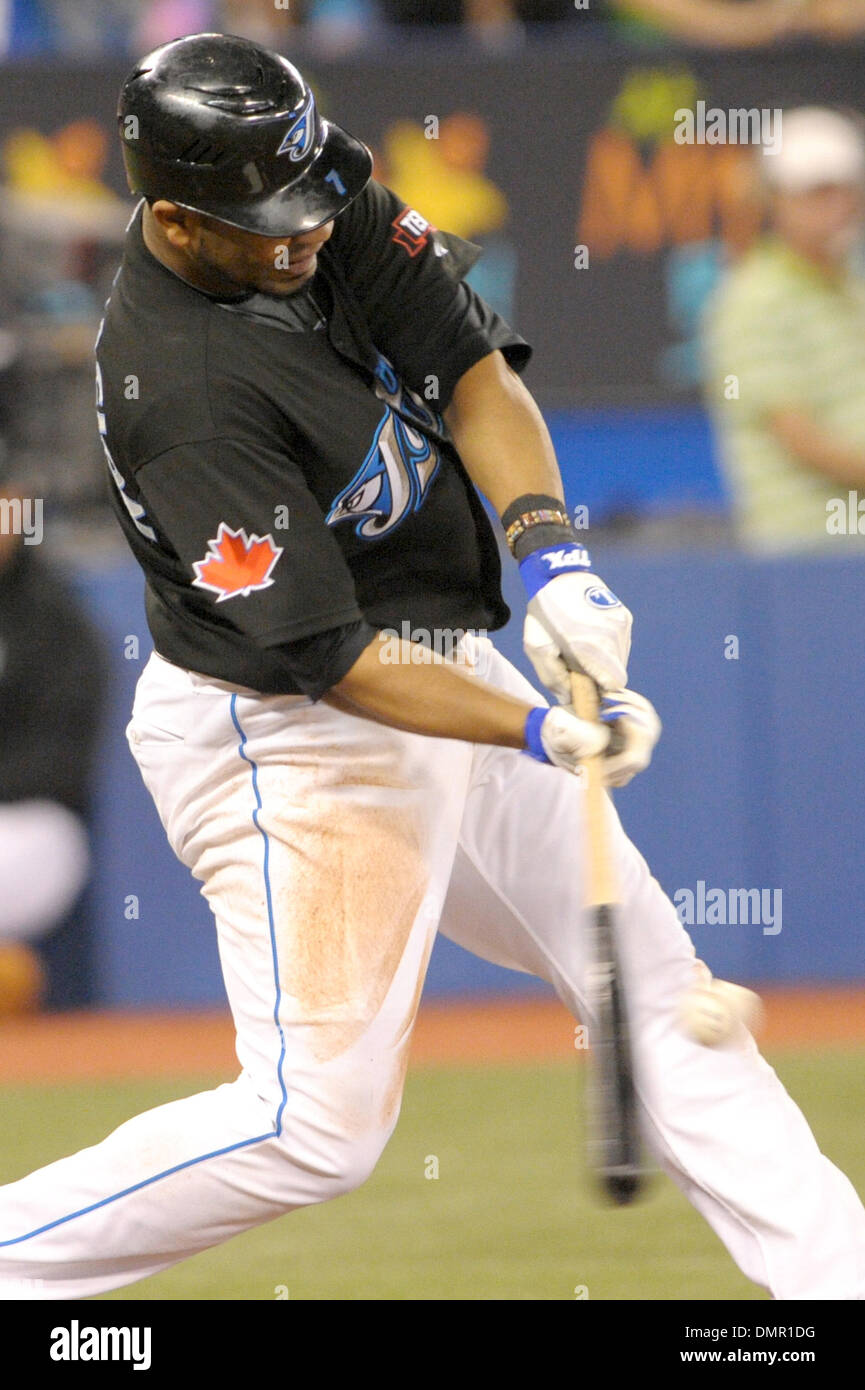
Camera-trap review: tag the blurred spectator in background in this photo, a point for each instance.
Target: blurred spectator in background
(785, 345)
(704, 23)
(260, 20)
(60, 234)
(73, 28)
(163, 20)
(494, 23)
(51, 689)
(495, 17)
(737, 23)
(88, 28)
(25, 29)
(333, 25)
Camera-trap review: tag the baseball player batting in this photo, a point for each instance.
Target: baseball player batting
(298, 396)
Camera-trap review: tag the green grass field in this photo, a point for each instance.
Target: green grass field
(510, 1216)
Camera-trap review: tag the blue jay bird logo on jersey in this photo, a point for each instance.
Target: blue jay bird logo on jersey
(395, 476)
(297, 141)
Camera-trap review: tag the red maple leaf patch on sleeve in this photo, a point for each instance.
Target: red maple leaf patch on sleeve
(236, 564)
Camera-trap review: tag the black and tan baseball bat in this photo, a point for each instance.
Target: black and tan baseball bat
(614, 1146)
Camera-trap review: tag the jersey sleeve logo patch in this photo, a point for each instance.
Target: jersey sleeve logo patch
(236, 564)
(411, 231)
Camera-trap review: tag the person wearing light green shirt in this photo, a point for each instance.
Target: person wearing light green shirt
(784, 340)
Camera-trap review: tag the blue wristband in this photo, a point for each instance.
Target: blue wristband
(540, 566)
(534, 720)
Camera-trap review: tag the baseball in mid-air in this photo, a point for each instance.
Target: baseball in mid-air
(713, 1011)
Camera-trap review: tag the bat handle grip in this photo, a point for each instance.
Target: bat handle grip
(584, 696)
(601, 888)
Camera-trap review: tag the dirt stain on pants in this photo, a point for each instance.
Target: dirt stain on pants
(349, 880)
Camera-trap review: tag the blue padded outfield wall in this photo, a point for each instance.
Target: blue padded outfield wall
(757, 782)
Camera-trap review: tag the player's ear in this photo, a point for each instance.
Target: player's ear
(176, 223)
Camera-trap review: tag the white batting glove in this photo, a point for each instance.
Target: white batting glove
(586, 626)
(633, 722)
(635, 729)
(557, 736)
(546, 658)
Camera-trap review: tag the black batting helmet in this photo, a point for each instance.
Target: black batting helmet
(224, 127)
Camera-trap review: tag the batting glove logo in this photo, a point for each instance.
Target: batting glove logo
(236, 565)
(573, 557)
(602, 597)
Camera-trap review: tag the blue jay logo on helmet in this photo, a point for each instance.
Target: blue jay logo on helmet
(602, 597)
(297, 141)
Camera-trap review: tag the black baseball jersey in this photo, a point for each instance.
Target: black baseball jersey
(281, 467)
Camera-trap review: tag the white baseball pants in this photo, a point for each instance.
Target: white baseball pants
(330, 848)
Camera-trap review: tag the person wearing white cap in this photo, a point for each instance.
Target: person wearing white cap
(785, 346)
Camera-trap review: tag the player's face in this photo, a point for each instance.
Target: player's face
(271, 265)
(222, 259)
(823, 221)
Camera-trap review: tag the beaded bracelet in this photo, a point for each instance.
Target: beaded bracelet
(543, 516)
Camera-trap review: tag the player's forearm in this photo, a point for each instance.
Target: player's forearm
(817, 449)
(409, 687)
(500, 434)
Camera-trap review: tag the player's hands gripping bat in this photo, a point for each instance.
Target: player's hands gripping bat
(559, 737)
(633, 724)
(634, 730)
(614, 1141)
(574, 622)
